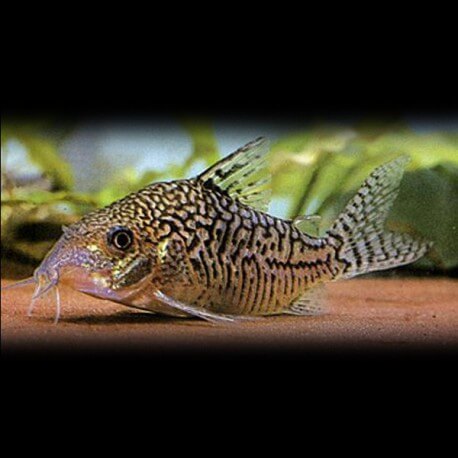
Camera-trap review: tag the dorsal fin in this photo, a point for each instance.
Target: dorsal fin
(243, 175)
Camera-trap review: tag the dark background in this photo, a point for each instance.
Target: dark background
(280, 81)
(331, 77)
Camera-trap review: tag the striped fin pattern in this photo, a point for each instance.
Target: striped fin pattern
(243, 175)
(310, 303)
(363, 245)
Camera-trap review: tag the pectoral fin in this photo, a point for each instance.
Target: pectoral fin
(194, 311)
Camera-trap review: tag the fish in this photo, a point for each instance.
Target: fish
(206, 247)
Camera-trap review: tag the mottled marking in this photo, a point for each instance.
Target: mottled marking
(203, 244)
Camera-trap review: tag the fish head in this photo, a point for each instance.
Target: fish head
(101, 255)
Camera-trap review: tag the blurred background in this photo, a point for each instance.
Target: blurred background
(53, 173)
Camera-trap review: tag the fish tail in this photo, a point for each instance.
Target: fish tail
(361, 242)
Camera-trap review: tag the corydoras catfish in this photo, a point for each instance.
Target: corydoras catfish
(206, 247)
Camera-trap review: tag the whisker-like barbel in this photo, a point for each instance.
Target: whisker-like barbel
(20, 284)
(39, 291)
(32, 306)
(56, 318)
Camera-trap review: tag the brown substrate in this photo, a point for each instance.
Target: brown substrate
(362, 313)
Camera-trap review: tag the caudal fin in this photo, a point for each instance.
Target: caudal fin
(358, 233)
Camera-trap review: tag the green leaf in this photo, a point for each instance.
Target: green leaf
(428, 205)
(44, 154)
(39, 197)
(42, 150)
(305, 163)
(204, 143)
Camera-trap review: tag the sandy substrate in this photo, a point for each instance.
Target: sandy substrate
(361, 313)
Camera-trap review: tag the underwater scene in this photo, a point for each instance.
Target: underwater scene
(199, 231)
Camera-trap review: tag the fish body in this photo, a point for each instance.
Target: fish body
(211, 251)
(205, 246)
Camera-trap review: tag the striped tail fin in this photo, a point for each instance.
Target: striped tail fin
(362, 243)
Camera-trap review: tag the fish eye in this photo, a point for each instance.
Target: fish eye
(120, 237)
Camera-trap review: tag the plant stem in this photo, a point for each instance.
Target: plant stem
(308, 190)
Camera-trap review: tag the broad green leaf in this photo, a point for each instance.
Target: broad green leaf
(428, 204)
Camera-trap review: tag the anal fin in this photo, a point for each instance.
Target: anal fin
(311, 303)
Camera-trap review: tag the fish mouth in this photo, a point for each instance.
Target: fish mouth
(94, 283)
(98, 286)
(81, 279)
(66, 265)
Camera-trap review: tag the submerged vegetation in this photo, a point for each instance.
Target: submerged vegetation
(315, 171)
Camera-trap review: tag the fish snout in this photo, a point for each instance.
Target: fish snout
(76, 266)
(62, 259)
